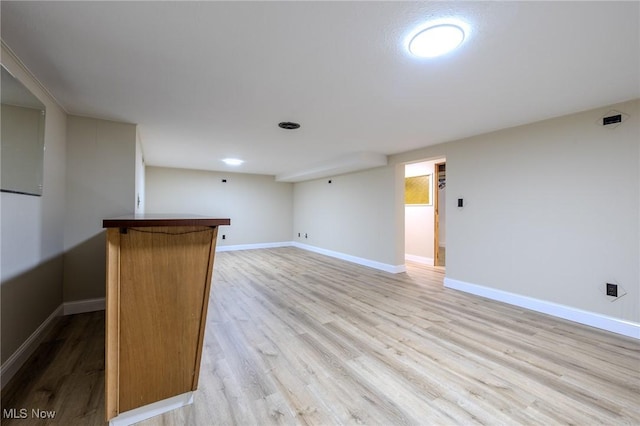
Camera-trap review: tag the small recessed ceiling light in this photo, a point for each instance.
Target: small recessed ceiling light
(232, 161)
(436, 40)
(288, 125)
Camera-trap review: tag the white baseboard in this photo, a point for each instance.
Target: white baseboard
(82, 306)
(394, 269)
(419, 259)
(253, 246)
(154, 409)
(22, 354)
(614, 325)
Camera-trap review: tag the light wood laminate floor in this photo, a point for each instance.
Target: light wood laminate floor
(294, 337)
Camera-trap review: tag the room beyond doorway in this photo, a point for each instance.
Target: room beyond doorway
(425, 237)
(439, 198)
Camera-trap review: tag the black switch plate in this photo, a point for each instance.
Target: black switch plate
(612, 290)
(460, 202)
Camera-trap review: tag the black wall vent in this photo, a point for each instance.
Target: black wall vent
(612, 119)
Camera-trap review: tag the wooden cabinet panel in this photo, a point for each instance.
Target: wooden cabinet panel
(158, 283)
(162, 284)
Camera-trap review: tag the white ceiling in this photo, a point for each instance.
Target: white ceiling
(209, 80)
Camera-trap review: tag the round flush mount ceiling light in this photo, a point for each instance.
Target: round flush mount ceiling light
(288, 125)
(436, 40)
(232, 161)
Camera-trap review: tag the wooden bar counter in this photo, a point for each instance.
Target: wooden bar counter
(159, 271)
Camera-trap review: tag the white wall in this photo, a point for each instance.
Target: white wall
(260, 209)
(101, 182)
(140, 177)
(353, 215)
(32, 231)
(551, 210)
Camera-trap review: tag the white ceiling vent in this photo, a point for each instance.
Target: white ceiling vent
(613, 119)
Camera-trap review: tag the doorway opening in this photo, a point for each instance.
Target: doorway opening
(439, 215)
(425, 238)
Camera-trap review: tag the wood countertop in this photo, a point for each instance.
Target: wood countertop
(147, 220)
